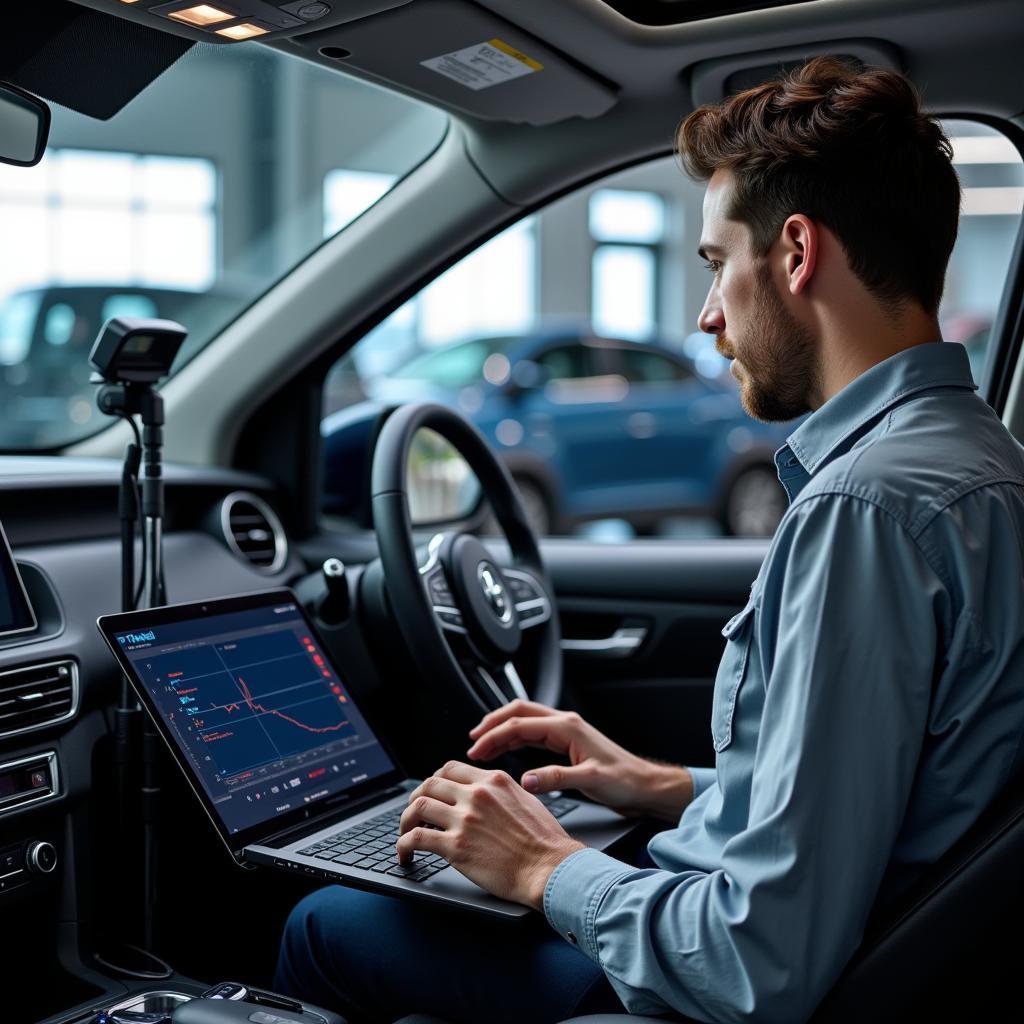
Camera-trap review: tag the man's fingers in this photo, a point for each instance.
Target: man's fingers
(551, 732)
(429, 840)
(439, 788)
(520, 708)
(544, 780)
(456, 771)
(424, 809)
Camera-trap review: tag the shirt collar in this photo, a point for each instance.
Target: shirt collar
(844, 415)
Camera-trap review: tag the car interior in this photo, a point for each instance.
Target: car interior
(453, 127)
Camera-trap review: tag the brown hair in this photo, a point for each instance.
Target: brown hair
(850, 148)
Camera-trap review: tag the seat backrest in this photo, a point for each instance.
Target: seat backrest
(910, 947)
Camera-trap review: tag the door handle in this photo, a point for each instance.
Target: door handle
(622, 643)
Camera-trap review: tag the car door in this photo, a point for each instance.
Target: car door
(667, 452)
(571, 418)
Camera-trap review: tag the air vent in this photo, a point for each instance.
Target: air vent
(36, 696)
(253, 531)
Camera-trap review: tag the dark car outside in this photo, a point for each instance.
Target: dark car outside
(589, 427)
(46, 335)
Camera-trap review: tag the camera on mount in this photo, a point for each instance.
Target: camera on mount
(134, 350)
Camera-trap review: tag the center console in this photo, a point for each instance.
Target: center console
(183, 1002)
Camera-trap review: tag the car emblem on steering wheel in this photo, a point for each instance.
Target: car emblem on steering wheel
(494, 591)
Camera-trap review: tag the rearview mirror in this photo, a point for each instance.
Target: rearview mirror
(24, 126)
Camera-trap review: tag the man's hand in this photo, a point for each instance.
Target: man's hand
(600, 768)
(488, 827)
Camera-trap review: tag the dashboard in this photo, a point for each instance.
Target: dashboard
(58, 681)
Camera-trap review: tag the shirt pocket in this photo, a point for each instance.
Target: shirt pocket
(738, 632)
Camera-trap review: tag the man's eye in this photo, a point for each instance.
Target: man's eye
(713, 265)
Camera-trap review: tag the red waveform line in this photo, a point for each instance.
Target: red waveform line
(280, 714)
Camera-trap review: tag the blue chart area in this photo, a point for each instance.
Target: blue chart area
(252, 701)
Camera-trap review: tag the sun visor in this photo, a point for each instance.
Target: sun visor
(465, 58)
(82, 59)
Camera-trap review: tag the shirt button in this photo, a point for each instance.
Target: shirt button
(571, 936)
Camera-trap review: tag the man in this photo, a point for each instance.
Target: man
(870, 699)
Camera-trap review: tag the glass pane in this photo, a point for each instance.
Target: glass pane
(176, 249)
(623, 284)
(177, 181)
(992, 176)
(492, 290)
(128, 305)
(642, 367)
(619, 216)
(569, 363)
(94, 178)
(350, 193)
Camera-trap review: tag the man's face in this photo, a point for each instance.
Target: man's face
(774, 356)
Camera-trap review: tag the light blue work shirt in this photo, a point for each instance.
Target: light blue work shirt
(869, 704)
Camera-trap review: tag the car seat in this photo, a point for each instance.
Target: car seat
(920, 947)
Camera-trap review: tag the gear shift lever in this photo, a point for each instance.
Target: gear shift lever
(337, 603)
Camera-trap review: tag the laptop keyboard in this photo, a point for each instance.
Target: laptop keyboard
(370, 845)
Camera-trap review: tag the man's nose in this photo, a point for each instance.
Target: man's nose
(711, 319)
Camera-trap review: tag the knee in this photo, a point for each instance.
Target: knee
(301, 963)
(323, 944)
(304, 929)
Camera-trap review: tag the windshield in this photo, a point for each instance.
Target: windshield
(188, 205)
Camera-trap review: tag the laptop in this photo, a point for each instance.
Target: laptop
(278, 752)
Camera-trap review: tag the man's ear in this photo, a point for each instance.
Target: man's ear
(799, 239)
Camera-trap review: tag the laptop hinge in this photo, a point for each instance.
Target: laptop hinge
(304, 828)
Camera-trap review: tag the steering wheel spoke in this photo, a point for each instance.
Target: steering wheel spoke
(442, 600)
(501, 682)
(533, 605)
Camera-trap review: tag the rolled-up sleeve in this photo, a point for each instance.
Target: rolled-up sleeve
(703, 778)
(847, 635)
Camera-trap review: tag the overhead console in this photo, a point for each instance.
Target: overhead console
(449, 52)
(466, 58)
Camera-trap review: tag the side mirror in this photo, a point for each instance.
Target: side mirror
(442, 487)
(24, 126)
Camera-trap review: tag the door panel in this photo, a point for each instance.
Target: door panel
(655, 698)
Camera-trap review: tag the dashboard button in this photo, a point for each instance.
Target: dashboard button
(41, 857)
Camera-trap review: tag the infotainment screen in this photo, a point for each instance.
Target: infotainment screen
(16, 615)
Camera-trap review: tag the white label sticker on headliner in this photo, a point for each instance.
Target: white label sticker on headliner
(483, 65)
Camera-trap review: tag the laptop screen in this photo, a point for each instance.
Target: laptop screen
(252, 703)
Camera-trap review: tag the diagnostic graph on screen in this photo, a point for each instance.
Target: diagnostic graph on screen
(250, 701)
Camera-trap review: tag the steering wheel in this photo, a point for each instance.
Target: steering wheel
(464, 617)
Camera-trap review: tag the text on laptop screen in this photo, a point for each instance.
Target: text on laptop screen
(254, 704)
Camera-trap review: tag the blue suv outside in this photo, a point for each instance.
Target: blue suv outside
(589, 427)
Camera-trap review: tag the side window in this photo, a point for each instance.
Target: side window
(592, 304)
(992, 177)
(568, 362)
(640, 366)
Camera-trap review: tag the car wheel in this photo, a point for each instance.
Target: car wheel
(536, 504)
(754, 503)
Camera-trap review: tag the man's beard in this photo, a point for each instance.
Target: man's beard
(778, 358)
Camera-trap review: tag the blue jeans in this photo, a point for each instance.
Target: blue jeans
(377, 958)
